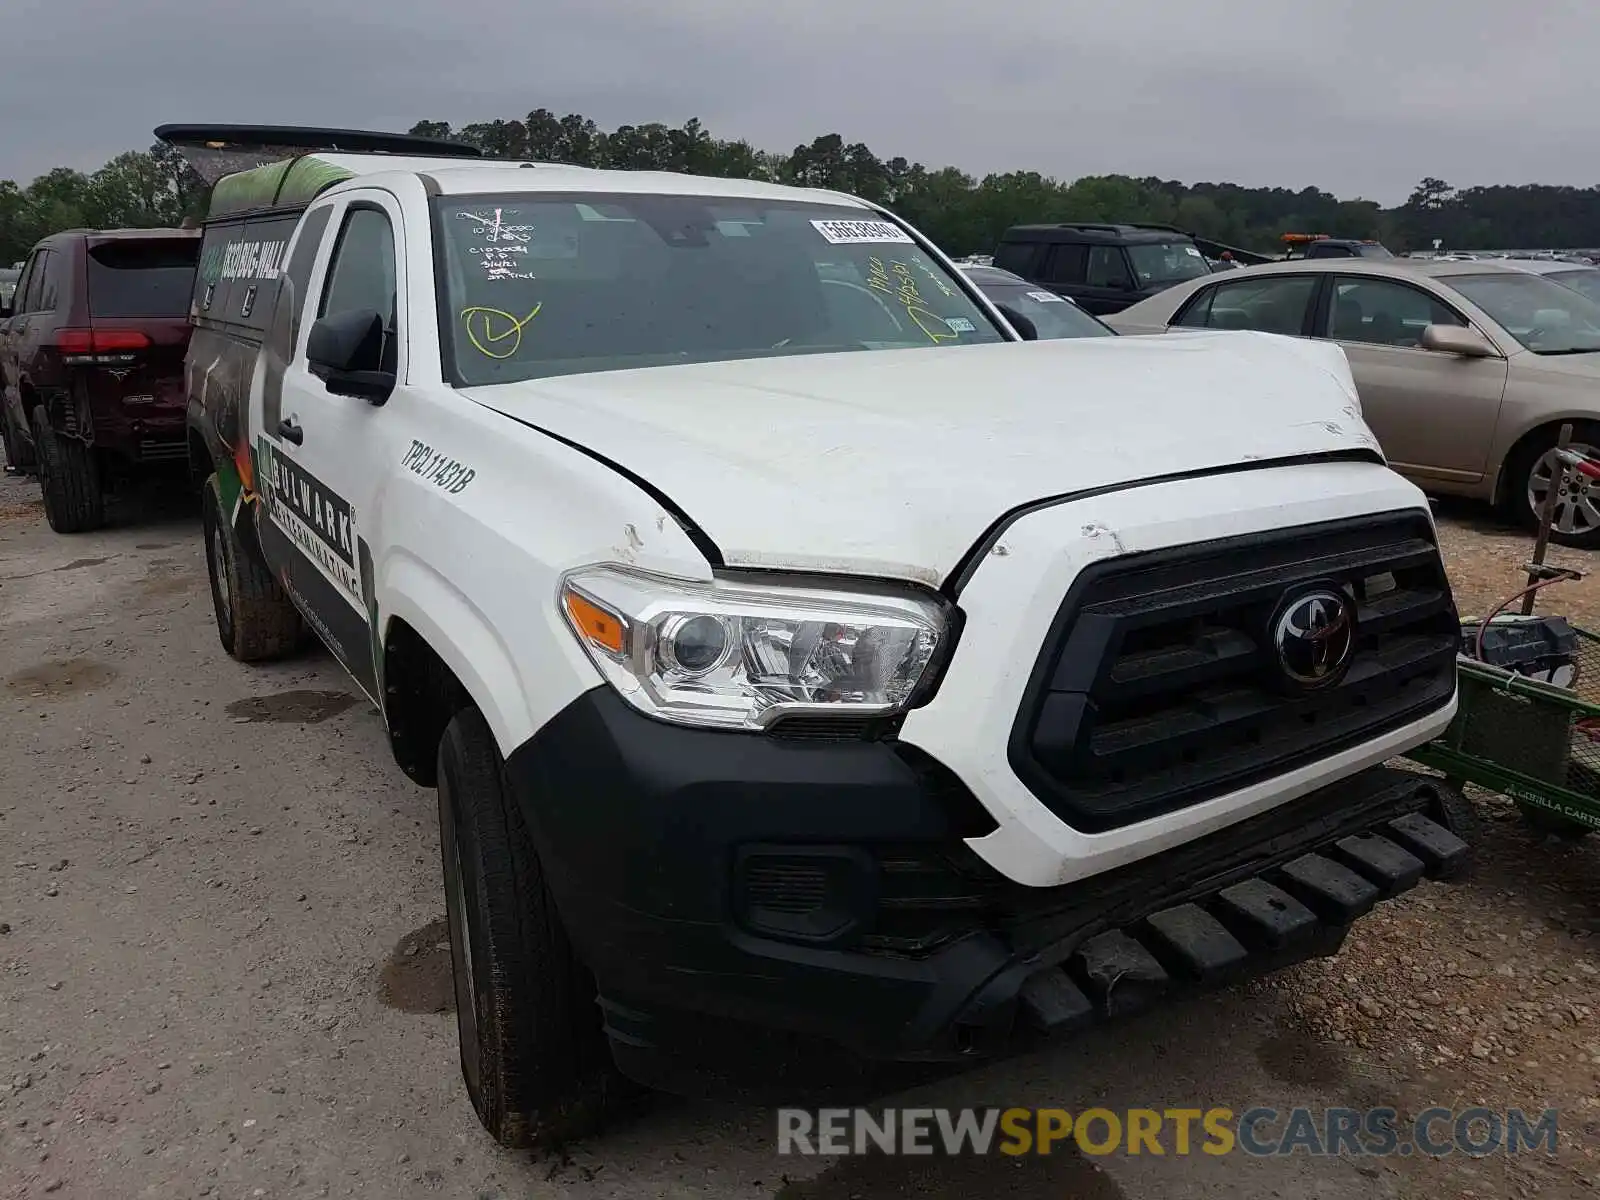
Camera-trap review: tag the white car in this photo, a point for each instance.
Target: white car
(808, 670)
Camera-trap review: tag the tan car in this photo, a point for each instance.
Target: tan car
(1466, 370)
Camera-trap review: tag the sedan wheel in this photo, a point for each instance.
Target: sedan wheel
(1577, 504)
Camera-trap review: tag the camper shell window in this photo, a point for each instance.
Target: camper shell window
(241, 261)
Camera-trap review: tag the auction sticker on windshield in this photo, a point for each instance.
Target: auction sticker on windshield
(844, 233)
(1046, 297)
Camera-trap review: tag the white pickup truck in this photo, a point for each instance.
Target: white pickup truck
(811, 674)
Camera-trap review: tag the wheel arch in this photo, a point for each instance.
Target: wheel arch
(202, 463)
(1547, 427)
(439, 654)
(27, 400)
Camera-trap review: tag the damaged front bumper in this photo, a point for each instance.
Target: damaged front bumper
(772, 917)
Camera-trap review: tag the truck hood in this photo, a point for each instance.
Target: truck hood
(894, 463)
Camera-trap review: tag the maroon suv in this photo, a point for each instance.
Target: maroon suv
(91, 363)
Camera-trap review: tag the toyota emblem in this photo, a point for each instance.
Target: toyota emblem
(1314, 635)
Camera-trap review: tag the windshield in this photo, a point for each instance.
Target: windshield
(1157, 263)
(1052, 316)
(545, 284)
(142, 278)
(1585, 281)
(1545, 317)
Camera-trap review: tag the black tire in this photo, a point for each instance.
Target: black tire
(69, 477)
(1519, 472)
(18, 456)
(533, 1052)
(256, 621)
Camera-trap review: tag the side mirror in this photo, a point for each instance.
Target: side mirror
(1456, 339)
(1028, 330)
(345, 351)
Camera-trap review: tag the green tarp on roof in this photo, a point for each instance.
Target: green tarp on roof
(292, 183)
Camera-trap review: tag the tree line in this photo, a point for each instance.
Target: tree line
(963, 213)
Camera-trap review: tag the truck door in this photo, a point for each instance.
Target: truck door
(317, 452)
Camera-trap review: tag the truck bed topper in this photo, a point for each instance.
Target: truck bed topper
(270, 166)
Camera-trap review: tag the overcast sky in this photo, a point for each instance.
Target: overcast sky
(1361, 97)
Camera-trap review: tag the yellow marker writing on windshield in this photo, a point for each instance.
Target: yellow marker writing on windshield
(931, 323)
(904, 289)
(494, 332)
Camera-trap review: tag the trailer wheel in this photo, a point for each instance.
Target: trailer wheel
(1542, 820)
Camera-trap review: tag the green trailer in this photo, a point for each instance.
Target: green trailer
(1528, 722)
(1532, 740)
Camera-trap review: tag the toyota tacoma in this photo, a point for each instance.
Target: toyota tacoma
(813, 674)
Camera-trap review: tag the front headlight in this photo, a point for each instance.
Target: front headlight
(735, 654)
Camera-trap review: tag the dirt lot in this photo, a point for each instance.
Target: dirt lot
(222, 970)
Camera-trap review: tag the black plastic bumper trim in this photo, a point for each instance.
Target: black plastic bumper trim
(641, 828)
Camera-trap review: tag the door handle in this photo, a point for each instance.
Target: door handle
(290, 432)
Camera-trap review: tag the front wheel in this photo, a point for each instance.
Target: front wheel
(255, 620)
(69, 477)
(533, 1053)
(1535, 469)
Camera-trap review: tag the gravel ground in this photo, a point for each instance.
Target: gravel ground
(222, 970)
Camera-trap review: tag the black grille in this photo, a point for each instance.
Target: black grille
(1160, 686)
(793, 888)
(820, 727)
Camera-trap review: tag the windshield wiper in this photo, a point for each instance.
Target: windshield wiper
(1570, 350)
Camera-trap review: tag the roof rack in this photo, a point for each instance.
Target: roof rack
(215, 151)
(1119, 226)
(312, 137)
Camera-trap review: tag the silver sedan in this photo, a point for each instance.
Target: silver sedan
(1466, 370)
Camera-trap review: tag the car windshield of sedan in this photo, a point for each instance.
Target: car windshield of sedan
(1162, 263)
(1544, 317)
(555, 284)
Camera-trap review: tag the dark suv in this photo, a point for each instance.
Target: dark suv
(1104, 268)
(91, 362)
(1322, 246)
